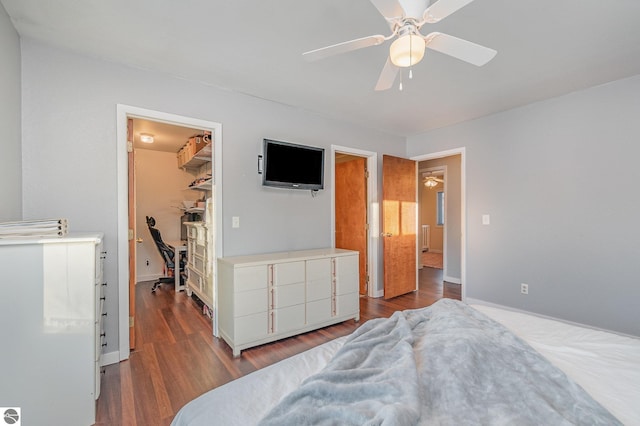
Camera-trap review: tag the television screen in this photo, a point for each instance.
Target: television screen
(288, 165)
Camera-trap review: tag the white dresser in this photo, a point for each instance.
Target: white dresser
(263, 298)
(51, 312)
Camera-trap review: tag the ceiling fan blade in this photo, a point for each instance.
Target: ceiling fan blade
(347, 46)
(387, 76)
(389, 8)
(459, 48)
(443, 8)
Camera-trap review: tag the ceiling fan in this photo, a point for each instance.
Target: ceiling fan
(431, 181)
(406, 18)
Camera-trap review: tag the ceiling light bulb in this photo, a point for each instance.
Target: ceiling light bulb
(146, 138)
(407, 50)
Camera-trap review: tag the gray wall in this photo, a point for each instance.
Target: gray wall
(560, 181)
(10, 101)
(69, 146)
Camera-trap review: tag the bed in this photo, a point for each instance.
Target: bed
(450, 363)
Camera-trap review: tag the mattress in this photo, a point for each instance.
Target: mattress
(605, 364)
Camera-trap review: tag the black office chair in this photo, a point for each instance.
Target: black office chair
(167, 255)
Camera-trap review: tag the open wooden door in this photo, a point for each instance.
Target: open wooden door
(132, 233)
(351, 210)
(399, 211)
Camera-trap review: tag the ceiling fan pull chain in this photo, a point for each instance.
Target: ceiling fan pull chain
(400, 87)
(410, 57)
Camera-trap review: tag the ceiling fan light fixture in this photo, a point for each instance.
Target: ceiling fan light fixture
(407, 50)
(430, 183)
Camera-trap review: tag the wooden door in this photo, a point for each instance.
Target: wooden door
(399, 213)
(132, 233)
(351, 211)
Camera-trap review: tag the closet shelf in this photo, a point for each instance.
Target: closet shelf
(205, 185)
(198, 159)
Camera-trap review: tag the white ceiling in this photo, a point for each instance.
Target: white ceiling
(545, 49)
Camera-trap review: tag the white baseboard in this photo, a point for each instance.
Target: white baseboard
(110, 358)
(150, 277)
(452, 280)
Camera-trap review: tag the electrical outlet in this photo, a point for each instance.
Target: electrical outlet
(524, 288)
(235, 222)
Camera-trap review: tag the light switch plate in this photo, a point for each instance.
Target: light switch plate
(486, 219)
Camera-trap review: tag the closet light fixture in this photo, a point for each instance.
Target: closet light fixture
(146, 138)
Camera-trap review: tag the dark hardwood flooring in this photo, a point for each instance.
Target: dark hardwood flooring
(177, 358)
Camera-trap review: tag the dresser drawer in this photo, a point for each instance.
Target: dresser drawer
(199, 264)
(287, 295)
(250, 302)
(192, 232)
(318, 311)
(319, 288)
(318, 269)
(347, 304)
(250, 327)
(347, 275)
(250, 278)
(288, 273)
(289, 318)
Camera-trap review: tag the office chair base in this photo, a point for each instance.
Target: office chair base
(164, 280)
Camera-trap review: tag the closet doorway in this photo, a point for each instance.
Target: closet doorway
(127, 232)
(159, 188)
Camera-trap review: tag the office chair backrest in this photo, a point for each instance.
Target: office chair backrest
(163, 248)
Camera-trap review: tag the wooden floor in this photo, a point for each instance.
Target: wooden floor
(177, 358)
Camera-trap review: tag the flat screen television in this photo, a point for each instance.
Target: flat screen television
(287, 165)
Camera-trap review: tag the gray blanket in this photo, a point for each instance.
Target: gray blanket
(446, 364)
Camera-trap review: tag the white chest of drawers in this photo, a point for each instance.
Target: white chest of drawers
(263, 298)
(51, 327)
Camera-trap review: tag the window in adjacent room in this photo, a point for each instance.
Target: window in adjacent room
(440, 208)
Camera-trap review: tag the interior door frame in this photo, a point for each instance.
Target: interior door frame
(373, 218)
(446, 207)
(123, 112)
(463, 207)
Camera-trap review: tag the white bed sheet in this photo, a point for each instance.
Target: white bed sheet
(606, 365)
(246, 400)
